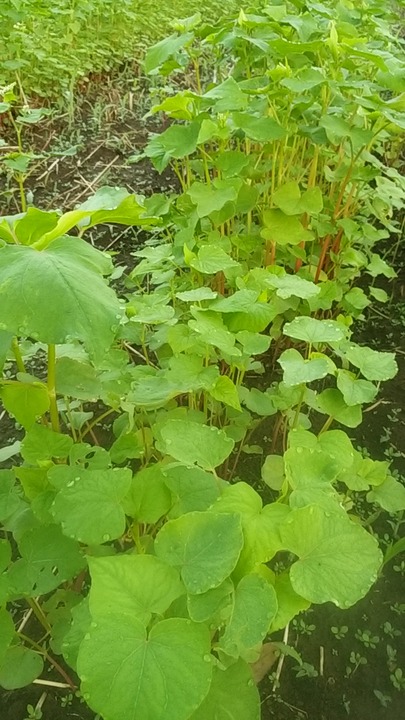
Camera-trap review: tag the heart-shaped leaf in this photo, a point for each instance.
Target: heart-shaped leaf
(128, 673)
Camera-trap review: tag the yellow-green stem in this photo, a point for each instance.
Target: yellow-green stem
(17, 354)
(53, 406)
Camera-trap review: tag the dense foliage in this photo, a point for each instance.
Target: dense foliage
(53, 44)
(151, 558)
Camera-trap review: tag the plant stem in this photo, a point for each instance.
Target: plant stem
(53, 409)
(38, 612)
(17, 354)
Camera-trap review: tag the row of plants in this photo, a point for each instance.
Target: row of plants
(54, 46)
(141, 555)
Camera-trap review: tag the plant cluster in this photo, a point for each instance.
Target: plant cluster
(152, 567)
(52, 46)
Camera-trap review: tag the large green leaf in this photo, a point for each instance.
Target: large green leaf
(354, 391)
(260, 129)
(338, 560)
(53, 296)
(25, 400)
(253, 610)
(133, 585)
(89, 504)
(372, 364)
(288, 601)
(390, 495)
(19, 667)
(284, 229)
(260, 524)
(163, 50)
(9, 496)
(192, 488)
(195, 444)
(297, 370)
(148, 498)
(233, 695)
(210, 328)
(312, 330)
(206, 606)
(48, 559)
(205, 547)
(41, 443)
(7, 632)
(128, 673)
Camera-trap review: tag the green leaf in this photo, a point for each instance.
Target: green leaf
(287, 197)
(378, 294)
(297, 370)
(148, 498)
(9, 497)
(206, 606)
(374, 365)
(253, 343)
(80, 624)
(233, 695)
(26, 401)
(260, 524)
(239, 301)
(378, 266)
(175, 142)
(19, 667)
(88, 505)
(41, 443)
(5, 555)
(313, 331)
(364, 472)
(293, 286)
(211, 198)
(192, 443)
(50, 295)
(9, 451)
(211, 329)
(34, 480)
(77, 379)
(284, 229)
(227, 96)
(260, 129)
(127, 673)
(332, 403)
(205, 547)
(48, 559)
(212, 259)
(165, 49)
(197, 295)
(133, 585)
(225, 391)
(273, 471)
(304, 80)
(254, 609)
(390, 495)
(193, 488)
(338, 559)
(289, 603)
(7, 632)
(34, 224)
(355, 392)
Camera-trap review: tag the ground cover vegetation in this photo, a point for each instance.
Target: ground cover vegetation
(53, 46)
(147, 555)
